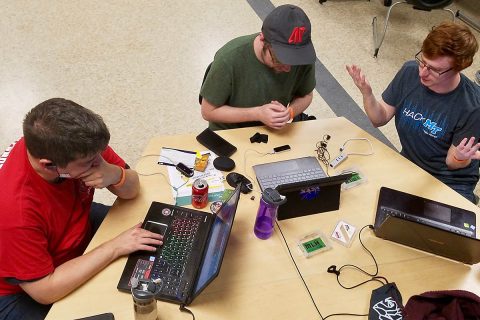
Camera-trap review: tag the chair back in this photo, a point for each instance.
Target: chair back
(430, 4)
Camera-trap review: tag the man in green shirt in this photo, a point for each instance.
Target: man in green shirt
(266, 78)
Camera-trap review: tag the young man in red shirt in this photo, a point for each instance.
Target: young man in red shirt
(47, 180)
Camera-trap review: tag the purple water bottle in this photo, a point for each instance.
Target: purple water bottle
(267, 213)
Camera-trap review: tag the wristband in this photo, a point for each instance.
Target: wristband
(290, 109)
(121, 182)
(458, 160)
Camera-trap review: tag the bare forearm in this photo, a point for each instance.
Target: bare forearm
(375, 111)
(130, 188)
(73, 273)
(229, 114)
(70, 275)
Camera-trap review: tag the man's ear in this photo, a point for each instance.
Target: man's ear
(262, 37)
(48, 164)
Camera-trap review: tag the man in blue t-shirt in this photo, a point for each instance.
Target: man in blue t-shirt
(436, 108)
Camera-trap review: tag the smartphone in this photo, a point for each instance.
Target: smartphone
(285, 147)
(157, 227)
(217, 144)
(186, 171)
(103, 316)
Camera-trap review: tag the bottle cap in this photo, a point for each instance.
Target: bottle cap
(141, 295)
(144, 291)
(271, 196)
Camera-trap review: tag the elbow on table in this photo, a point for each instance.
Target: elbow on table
(45, 298)
(206, 113)
(377, 124)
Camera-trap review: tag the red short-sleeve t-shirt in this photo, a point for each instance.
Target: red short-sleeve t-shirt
(43, 224)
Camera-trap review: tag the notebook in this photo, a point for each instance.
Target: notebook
(272, 174)
(427, 225)
(310, 197)
(192, 253)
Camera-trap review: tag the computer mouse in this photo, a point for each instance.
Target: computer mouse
(234, 178)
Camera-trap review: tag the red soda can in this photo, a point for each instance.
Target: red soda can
(199, 193)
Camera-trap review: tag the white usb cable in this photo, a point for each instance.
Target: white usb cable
(344, 155)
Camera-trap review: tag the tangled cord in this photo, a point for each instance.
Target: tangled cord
(374, 276)
(322, 153)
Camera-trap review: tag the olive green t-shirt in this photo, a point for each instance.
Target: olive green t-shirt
(238, 79)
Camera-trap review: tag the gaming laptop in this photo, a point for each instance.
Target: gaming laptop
(192, 252)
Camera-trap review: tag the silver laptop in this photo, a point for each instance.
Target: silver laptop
(272, 174)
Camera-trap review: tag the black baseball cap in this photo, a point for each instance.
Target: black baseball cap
(287, 28)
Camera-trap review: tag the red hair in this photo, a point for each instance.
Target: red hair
(452, 40)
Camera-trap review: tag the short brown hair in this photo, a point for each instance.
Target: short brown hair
(452, 40)
(62, 131)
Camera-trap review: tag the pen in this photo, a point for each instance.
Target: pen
(166, 163)
(180, 150)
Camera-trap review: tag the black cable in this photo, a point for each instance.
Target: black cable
(345, 314)
(332, 269)
(298, 270)
(183, 309)
(374, 276)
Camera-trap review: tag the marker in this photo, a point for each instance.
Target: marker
(166, 163)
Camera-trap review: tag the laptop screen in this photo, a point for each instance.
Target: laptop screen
(217, 243)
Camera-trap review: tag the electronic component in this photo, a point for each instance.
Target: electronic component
(339, 159)
(356, 179)
(313, 243)
(183, 169)
(285, 147)
(344, 233)
(224, 164)
(217, 144)
(259, 137)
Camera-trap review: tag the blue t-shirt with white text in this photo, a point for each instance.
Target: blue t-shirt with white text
(428, 123)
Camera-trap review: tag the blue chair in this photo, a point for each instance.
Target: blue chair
(425, 5)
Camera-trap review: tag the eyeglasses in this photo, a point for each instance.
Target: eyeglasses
(422, 64)
(274, 58)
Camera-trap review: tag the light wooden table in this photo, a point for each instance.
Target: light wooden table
(258, 279)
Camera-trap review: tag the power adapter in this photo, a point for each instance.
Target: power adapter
(339, 159)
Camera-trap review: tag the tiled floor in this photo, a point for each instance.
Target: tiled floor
(139, 64)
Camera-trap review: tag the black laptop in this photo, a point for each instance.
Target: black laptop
(311, 196)
(427, 225)
(192, 253)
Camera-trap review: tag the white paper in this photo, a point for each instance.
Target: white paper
(183, 184)
(174, 156)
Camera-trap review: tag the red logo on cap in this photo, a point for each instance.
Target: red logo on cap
(297, 34)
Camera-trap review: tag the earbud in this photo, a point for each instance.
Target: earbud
(51, 166)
